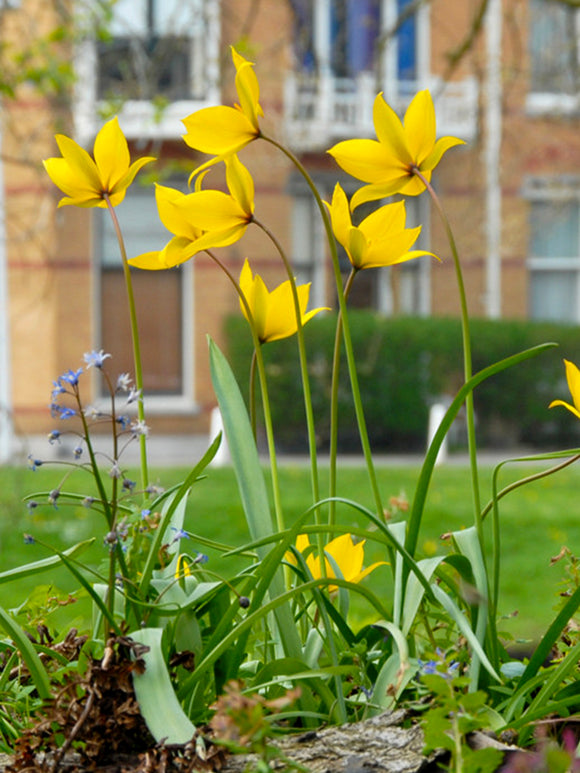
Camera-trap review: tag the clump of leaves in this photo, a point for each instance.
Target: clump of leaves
(242, 724)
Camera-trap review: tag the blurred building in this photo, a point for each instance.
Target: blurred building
(506, 80)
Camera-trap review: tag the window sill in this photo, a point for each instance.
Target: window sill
(548, 104)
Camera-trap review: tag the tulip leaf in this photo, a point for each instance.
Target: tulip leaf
(27, 570)
(28, 653)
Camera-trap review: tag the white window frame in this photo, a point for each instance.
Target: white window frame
(551, 190)
(140, 119)
(540, 103)
(180, 404)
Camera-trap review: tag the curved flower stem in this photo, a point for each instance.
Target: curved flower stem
(265, 399)
(135, 342)
(362, 428)
(303, 369)
(467, 360)
(333, 451)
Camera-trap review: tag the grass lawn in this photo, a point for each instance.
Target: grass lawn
(537, 520)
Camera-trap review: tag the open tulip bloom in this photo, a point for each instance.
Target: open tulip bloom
(203, 219)
(573, 379)
(347, 556)
(380, 240)
(222, 130)
(87, 181)
(389, 164)
(273, 313)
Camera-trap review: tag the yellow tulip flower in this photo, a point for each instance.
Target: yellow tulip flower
(380, 240)
(390, 162)
(222, 130)
(347, 556)
(573, 379)
(85, 181)
(203, 219)
(273, 312)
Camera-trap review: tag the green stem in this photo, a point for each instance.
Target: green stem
(467, 359)
(135, 342)
(311, 429)
(265, 398)
(362, 428)
(333, 452)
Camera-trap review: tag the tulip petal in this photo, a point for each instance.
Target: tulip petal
(147, 260)
(240, 184)
(441, 146)
(571, 408)
(380, 191)
(573, 379)
(420, 128)
(340, 215)
(248, 93)
(367, 160)
(391, 134)
(111, 154)
(219, 130)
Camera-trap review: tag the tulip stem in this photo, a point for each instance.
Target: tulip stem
(467, 358)
(351, 362)
(303, 368)
(279, 514)
(333, 442)
(136, 344)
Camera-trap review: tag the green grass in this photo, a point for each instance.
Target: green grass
(537, 520)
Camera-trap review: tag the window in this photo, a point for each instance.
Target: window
(554, 54)
(554, 257)
(151, 51)
(156, 62)
(161, 297)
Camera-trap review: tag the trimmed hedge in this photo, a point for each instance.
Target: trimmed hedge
(405, 365)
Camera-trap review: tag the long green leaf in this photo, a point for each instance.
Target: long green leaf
(33, 662)
(36, 567)
(451, 413)
(155, 695)
(250, 480)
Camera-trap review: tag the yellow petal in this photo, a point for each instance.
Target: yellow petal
(223, 238)
(260, 307)
(67, 179)
(281, 318)
(387, 219)
(573, 379)
(302, 542)
(246, 283)
(362, 574)
(148, 261)
(348, 556)
(219, 130)
(441, 146)
(420, 127)
(571, 408)
(211, 210)
(121, 185)
(240, 184)
(367, 160)
(340, 215)
(249, 93)
(379, 191)
(81, 164)
(357, 247)
(390, 133)
(111, 154)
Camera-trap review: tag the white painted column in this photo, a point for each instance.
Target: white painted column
(493, 127)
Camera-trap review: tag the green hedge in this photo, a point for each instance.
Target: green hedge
(406, 364)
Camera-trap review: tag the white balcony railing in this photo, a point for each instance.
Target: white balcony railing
(320, 110)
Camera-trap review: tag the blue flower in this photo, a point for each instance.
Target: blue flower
(61, 412)
(78, 452)
(34, 464)
(57, 389)
(128, 485)
(139, 428)
(95, 359)
(201, 558)
(124, 421)
(54, 436)
(134, 394)
(32, 504)
(71, 376)
(145, 513)
(29, 539)
(124, 382)
(179, 534)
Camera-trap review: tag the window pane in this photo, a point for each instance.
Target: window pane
(171, 17)
(129, 18)
(554, 229)
(406, 64)
(553, 47)
(553, 296)
(355, 25)
(158, 297)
